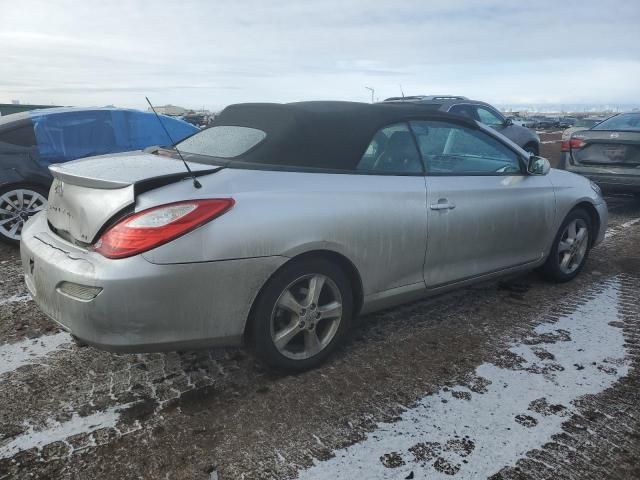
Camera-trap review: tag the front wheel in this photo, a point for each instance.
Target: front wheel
(570, 248)
(18, 203)
(302, 314)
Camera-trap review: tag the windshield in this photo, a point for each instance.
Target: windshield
(624, 121)
(224, 141)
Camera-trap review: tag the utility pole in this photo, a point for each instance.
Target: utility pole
(372, 90)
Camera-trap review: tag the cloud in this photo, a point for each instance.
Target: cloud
(198, 52)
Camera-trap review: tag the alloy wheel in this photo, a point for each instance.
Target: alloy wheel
(16, 206)
(306, 316)
(573, 246)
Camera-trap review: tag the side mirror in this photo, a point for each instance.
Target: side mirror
(508, 122)
(538, 165)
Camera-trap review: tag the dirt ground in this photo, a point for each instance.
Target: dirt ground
(550, 141)
(518, 379)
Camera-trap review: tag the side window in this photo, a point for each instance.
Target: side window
(450, 149)
(392, 150)
(464, 110)
(19, 137)
(489, 117)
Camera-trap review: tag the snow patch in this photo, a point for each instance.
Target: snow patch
(57, 431)
(474, 435)
(24, 298)
(613, 231)
(27, 352)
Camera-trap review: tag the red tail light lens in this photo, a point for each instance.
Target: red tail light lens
(576, 143)
(156, 226)
(572, 144)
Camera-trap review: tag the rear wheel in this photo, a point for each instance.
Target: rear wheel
(570, 248)
(302, 314)
(17, 203)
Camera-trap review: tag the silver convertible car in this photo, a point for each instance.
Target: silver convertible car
(290, 220)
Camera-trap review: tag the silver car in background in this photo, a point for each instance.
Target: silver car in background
(301, 216)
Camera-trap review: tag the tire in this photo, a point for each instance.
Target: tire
(297, 322)
(564, 247)
(532, 147)
(18, 202)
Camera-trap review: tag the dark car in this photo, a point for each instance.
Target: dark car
(567, 122)
(31, 141)
(197, 119)
(546, 122)
(607, 153)
(480, 111)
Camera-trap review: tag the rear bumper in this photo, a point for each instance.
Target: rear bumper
(140, 307)
(607, 178)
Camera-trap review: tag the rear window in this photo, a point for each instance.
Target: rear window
(223, 141)
(624, 121)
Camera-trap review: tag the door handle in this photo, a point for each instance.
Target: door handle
(443, 204)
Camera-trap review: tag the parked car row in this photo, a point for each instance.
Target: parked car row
(32, 141)
(537, 122)
(281, 222)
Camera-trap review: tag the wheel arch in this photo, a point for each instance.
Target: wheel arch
(339, 259)
(593, 216)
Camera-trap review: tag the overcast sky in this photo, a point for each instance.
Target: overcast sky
(211, 53)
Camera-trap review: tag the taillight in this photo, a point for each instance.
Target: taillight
(156, 226)
(572, 144)
(576, 143)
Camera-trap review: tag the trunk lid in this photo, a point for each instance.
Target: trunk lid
(87, 193)
(609, 148)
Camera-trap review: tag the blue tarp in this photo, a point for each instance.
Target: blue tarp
(69, 134)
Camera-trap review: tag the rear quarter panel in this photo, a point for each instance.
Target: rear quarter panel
(378, 222)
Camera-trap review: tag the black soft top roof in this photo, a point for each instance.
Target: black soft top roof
(320, 134)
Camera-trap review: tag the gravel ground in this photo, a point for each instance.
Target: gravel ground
(508, 380)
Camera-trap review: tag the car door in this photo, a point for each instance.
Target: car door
(391, 189)
(485, 214)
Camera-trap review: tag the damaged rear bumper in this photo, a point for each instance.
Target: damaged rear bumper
(136, 306)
